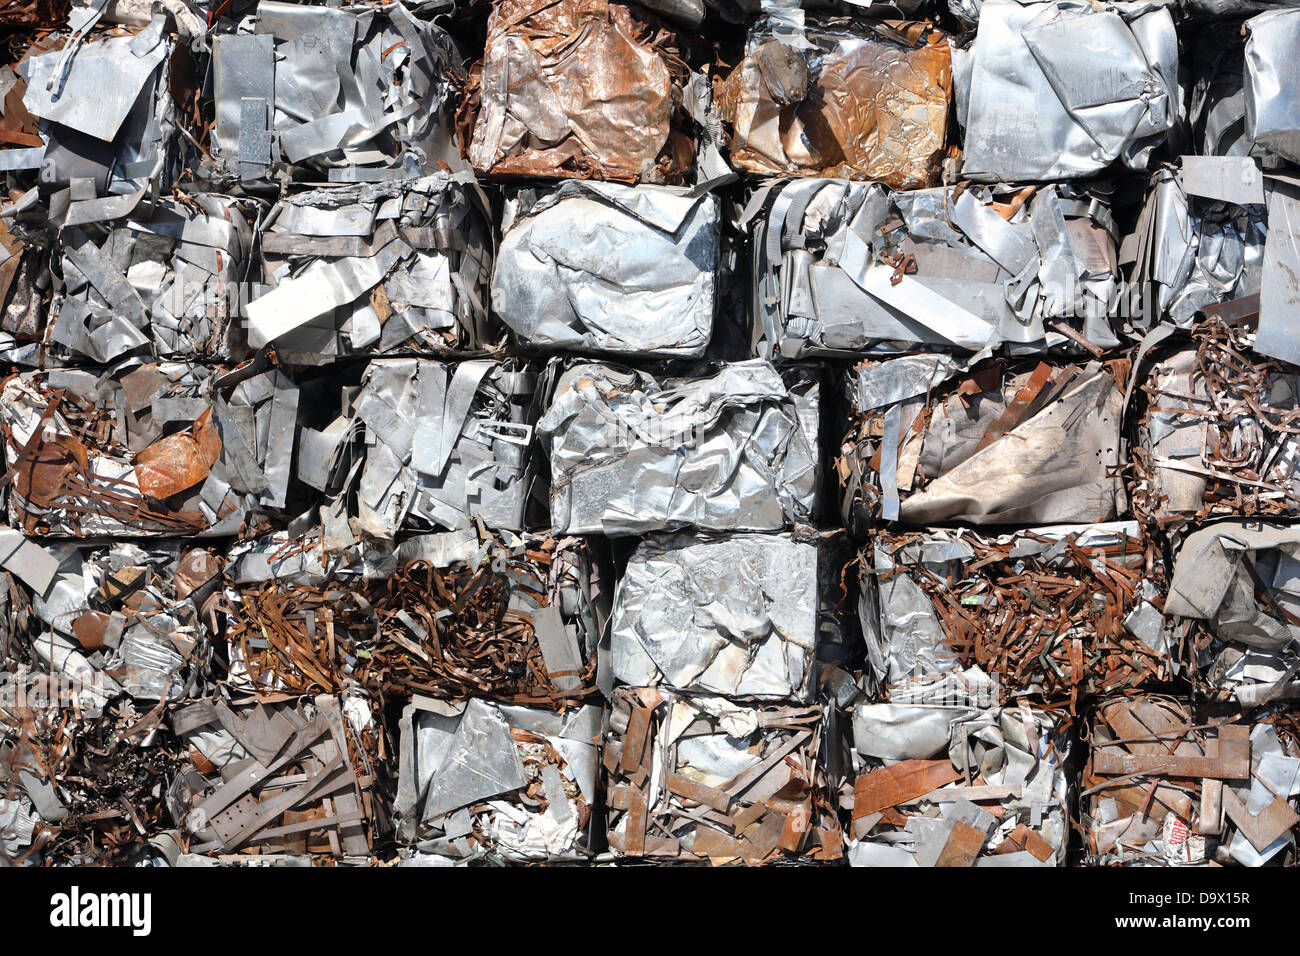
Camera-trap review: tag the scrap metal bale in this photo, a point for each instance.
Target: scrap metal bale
(1200, 237)
(299, 776)
(1236, 589)
(491, 783)
(361, 94)
(1065, 612)
(739, 615)
(1060, 90)
(1272, 82)
(164, 282)
(424, 445)
(1166, 785)
(946, 780)
(840, 97)
(933, 440)
(601, 267)
(449, 615)
(1213, 433)
(694, 778)
(396, 267)
(844, 268)
(734, 450)
(576, 89)
(147, 449)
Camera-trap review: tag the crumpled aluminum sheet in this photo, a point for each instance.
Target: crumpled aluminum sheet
(490, 782)
(693, 778)
(1242, 459)
(357, 94)
(1062, 89)
(736, 615)
(147, 449)
(1198, 246)
(1225, 793)
(843, 268)
(1239, 581)
(118, 619)
(577, 89)
(449, 615)
(602, 267)
(110, 121)
(932, 442)
(279, 778)
(954, 783)
(840, 97)
(1068, 611)
(443, 445)
(163, 282)
(736, 450)
(1272, 87)
(396, 267)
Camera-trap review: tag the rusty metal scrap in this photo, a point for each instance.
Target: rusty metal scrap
(840, 97)
(490, 623)
(702, 779)
(1214, 428)
(1169, 786)
(577, 90)
(1066, 613)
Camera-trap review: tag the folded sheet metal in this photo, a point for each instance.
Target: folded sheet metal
(1200, 237)
(450, 615)
(602, 267)
(735, 450)
(577, 89)
(425, 444)
(397, 267)
(109, 130)
(1213, 433)
(279, 778)
(1067, 612)
(106, 620)
(147, 449)
(958, 783)
(1167, 786)
(1236, 584)
(847, 267)
(1063, 89)
(494, 783)
(735, 615)
(996, 444)
(357, 94)
(164, 282)
(1272, 87)
(701, 779)
(840, 97)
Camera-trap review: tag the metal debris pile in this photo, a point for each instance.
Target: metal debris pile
(649, 433)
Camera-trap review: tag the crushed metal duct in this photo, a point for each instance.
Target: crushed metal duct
(702, 779)
(576, 89)
(1064, 612)
(840, 97)
(492, 783)
(737, 615)
(396, 267)
(931, 441)
(736, 450)
(1272, 86)
(842, 268)
(959, 784)
(602, 267)
(1164, 786)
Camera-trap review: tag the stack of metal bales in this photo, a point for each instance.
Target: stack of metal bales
(650, 432)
